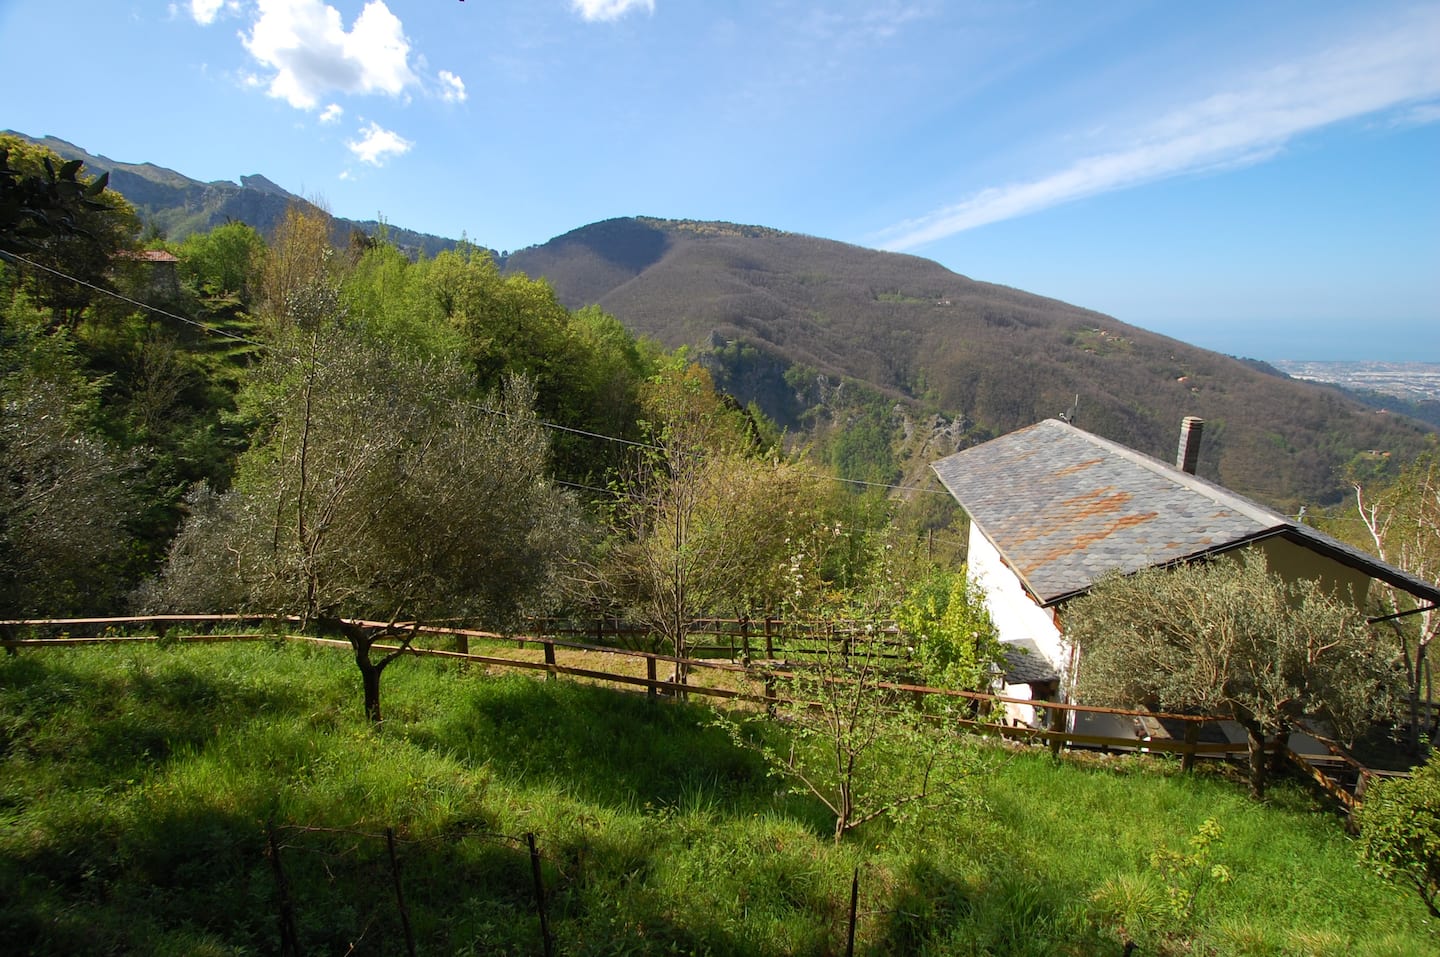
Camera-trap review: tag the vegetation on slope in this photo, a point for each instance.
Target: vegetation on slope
(137, 785)
(793, 320)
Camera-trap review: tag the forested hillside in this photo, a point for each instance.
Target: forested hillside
(880, 362)
(238, 421)
(787, 315)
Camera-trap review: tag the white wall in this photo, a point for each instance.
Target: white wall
(1016, 615)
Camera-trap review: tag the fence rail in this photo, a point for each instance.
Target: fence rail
(1337, 773)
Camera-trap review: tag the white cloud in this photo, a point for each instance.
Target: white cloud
(593, 10)
(452, 88)
(205, 11)
(1250, 122)
(311, 53)
(332, 113)
(377, 145)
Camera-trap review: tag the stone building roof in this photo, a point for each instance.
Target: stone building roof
(1063, 507)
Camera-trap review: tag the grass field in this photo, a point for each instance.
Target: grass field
(139, 785)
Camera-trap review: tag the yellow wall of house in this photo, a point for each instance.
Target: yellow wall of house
(1294, 562)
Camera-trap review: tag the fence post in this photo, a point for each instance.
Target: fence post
(1192, 737)
(854, 908)
(289, 938)
(769, 641)
(400, 892)
(650, 675)
(1055, 722)
(550, 661)
(745, 640)
(539, 892)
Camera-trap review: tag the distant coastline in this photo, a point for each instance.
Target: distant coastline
(1413, 381)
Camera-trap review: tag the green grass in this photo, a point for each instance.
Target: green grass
(136, 785)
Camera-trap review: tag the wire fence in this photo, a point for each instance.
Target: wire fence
(740, 661)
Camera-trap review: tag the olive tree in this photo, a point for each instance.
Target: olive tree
(380, 492)
(1229, 637)
(65, 500)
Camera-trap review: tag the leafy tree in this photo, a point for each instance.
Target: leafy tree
(1403, 521)
(509, 323)
(956, 644)
(1228, 637)
(587, 368)
(226, 261)
(859, 748)
(380, 492)
(300, 261)
(69, 226)
(702, 522)
(1400, 831)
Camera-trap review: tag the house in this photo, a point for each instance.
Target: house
(157, 271)
(1053, 508)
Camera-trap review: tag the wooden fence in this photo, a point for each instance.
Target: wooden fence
(1337, 773)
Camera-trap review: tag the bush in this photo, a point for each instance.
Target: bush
(1400, 831)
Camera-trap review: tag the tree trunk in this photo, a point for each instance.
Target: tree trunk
(1255, 737)
(1277, 755)
(1422, 694)
(370, 680)
(361, 639)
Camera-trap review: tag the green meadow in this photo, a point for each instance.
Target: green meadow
(141, 789)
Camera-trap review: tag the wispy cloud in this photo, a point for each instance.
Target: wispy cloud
(310, 54)
(452, 88)
(1248, 123)
(378, 145)
(594, 10)
(878, 21)
(332, 113)
(204, 12)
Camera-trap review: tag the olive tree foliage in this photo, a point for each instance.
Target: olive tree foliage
(846, 736)
(1403, 522)
(1228, 637)
(379, 492)
(65, 494)
(1400, 831)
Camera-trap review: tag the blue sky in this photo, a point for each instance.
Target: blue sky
(1258, 178)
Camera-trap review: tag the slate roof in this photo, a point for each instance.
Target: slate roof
(1063, 507)
(1025, 664)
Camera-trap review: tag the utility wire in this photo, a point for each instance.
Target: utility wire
(134, 302)
(15, 257)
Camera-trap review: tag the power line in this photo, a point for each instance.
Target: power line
(549, 425)
(134, 302)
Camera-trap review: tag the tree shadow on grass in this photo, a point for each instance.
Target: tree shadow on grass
(119, 720)
(611, 748)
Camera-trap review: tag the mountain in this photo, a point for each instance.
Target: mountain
(894, 357)
(177, 205)
(778, 314)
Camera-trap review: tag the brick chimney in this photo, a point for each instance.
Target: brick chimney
(1190, 429)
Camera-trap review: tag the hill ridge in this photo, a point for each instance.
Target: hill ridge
(832, 338)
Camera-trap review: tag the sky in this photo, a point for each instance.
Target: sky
(1260, 178)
